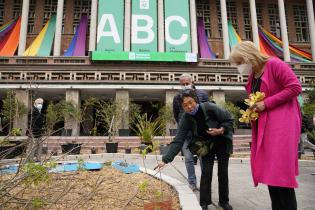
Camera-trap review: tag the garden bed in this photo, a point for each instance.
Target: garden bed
(105, 189)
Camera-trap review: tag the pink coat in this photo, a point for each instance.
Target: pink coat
(274, 150)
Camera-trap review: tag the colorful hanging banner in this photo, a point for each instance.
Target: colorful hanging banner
(144, 26)
(177, 26)
(110, 30)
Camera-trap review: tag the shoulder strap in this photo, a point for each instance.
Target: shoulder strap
(206, 110)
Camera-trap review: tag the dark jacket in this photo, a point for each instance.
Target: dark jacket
(36, 123)
(177, 106)
(216, 117)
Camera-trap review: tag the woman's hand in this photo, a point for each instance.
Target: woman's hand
(159, 166)
(258, 106)
(215, 131)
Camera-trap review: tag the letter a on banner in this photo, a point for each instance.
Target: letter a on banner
(144, 26)
(110, 27)
(177, 26)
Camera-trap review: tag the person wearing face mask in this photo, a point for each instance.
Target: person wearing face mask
(186, 83)
(36, 130)
(276, 133)
(208, 124)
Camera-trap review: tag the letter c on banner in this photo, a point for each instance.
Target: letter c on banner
(168, 37)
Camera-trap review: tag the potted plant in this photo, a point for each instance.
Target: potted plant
(128, 149)
(71, 148)
(146, 129)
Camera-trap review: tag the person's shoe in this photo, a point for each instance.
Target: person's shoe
(195, 159)
(193, 187)
(204, 207)
(225, 206)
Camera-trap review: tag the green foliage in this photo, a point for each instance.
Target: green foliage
(4, 141)
(36, 174)
(16, 131)
(57, 112)
(12, 108)
(234, 110)
(37, 203)
(309, 109)
(81, 165)
(143, 186)
(311, 136)
(146, 128)
(166, 116)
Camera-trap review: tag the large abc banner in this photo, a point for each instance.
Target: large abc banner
(144, 26)
(144, 32)
(177, 26)
(110, 30)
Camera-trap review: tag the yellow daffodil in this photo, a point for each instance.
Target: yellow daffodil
(250, 115)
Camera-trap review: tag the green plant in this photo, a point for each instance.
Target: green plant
(37, 203)
(234, 110)
(81, 165)
(36, 173)
(146, 128)
(311, 136)
(16, 131)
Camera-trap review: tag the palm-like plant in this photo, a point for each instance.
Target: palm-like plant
(146, 128)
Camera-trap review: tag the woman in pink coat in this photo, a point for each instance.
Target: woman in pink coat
(275, 135)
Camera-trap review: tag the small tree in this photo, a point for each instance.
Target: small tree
(234, 110)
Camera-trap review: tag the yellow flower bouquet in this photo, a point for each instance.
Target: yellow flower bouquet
(250, 115)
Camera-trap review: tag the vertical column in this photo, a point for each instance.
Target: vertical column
(122, 101)
(93, 24)
(127, 25)
(193, 26)
(24, 23)
(225, 30)
(161, 39)
(311, 25)
(22, 121)
(169, 95)
(253, 16)
(218, 96)
(284, 32)
(73, 96)
(59, 18)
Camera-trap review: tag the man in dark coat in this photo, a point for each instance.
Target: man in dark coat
(186, 83)
(36, 130)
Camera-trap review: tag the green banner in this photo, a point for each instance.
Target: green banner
(177, 26)
(110, 27)
(144, 26)
(141, 56)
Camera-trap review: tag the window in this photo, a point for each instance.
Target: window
(219, 18)
(274, 19)
(203, 10)
(1, 12)
(17, 8)
(231, 13)
(81, 7)
(31, 17)
(247, 19)
(301, 23)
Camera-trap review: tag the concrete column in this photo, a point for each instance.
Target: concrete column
(73, 96)
(127, 25)
(225, 29)
(311, 25)
(93, 24)
(161, 25)
(23, 31)
(122, 101)
(59, 18)
(284, 32)
(169, 95)
(253, 16)
(22, 121)
(218, 96)
(193, 26)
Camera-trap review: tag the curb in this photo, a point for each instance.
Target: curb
(187, 197)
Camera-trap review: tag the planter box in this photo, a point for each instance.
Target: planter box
(71, 148)
(111, 147)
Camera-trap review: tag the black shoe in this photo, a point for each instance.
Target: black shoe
(195, 160)
(225, 206)
(204, 207)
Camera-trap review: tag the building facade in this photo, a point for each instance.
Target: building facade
(58, 77)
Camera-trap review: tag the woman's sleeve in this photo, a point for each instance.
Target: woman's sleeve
(285, 77)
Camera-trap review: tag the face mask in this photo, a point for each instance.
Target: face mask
(186, 87)
(39, 106)
(245, 68)
(194, 111)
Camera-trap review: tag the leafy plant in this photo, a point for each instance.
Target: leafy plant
(81, 165)
(146, 128)
(36, 173)
(16, 131)
(234, 110)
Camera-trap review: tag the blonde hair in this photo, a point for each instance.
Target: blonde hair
(247, 51)
(39, 100)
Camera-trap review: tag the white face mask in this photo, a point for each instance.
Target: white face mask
(245, 68)
(39, 106)
(186, 87)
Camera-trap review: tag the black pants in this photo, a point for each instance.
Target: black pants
(282, 198)
(220, 151)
